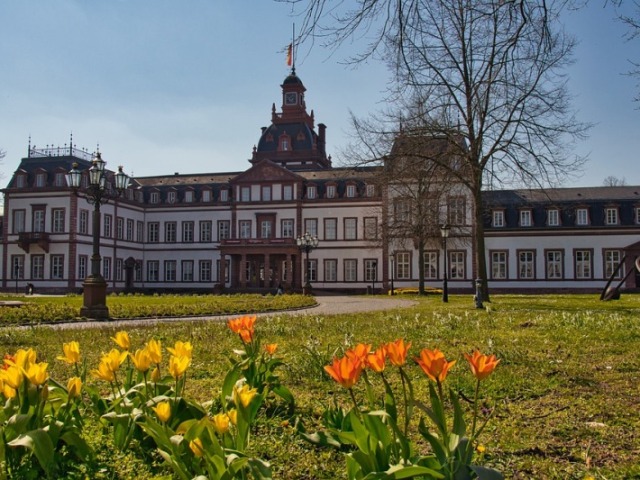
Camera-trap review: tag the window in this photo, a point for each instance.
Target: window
(171, 197)
(525, 218)
(245, 228)
(140, 196)
(526, 265)
(266, 193)
(638, 215)
(612, 259)
(284, 143)
(83, 260)
(57, 220)
(40, 179)
(456, 211)
(403, 265)
(17, 267)
(37, 267)
(266, 228)
(206, 195)
(287, 228)
(350, 270)
(350, 228)
(330, 228)
(312, 271)
(106, 226)
(83, 222)
(38, 219)
(106, 268)
(227, 266)
(611, 216)
(153, 232)
(119, 228)
(582, 216)
(370, 228)
(351, 191)
(187, 270)
(498, 218)
(583, 267)
(20, 181)
(311, 192)
(153, 271)
(456, 266)
(205, 270)
(18, 221)
(223, 229)
(187, 232)
(287, 192)
(370, 270)
(170, 232)
(331, 191)
(57, 267)
(311, 226)
(371, 190)
(553, 260)
(169, 270)
(245, 194)
(119, 269)
(330, 270)
(129, 234)
(431, 265)
(154, 197)
(59, 180)
(206, 231)
(188, 196)
(499, 265)
(553, 217)
(402, 210)
(139, 231)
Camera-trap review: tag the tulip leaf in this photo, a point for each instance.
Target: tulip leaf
(459, 425)
(485, 473)
(39, 442)
(402, 471)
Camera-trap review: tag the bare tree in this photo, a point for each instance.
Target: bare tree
(632, 22)
(612, 181)
(490, 71)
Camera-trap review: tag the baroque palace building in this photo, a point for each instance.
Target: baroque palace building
(237, 231)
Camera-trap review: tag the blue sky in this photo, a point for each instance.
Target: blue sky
(166, 86)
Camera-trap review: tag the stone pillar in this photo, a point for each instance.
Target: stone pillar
(242, 271)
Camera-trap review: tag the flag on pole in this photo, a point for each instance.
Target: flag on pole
(290, 55)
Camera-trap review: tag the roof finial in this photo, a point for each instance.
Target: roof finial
(29, 147)
(71, 143)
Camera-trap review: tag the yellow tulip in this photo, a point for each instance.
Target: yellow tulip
(114, 359)
(24, 358)
(163, 411)
(74, 387)
(122, 340)
(104, 372)
(13, 376)
(233, 416)
(37, 373)
(155, 375)
(141, 360)
(178, 365)
(71, 352)
(182, 349)
(196, 447)
(155, 351)
(244, 395)
(220, 423)
(8, 392)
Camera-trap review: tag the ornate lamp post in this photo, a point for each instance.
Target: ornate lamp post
(444, 231)
(393, 270)
(97, 193)
(374, 274)
(306, 243)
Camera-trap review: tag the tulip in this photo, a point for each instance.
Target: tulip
(345, 371)
(271, 348)
(13, 377)
(71, 352)
(376, 360)
(163, 411)
(37, 373)
(141, 360)
(155, 351)
(122, 340)
(246, 336)
(24, 358)
(233, 416)
(155, 375)
(244, 395)
(434, 364)
(196, 447)
(220, 423)
(359, 352)
(74, 387)
(104, 372)
(178, 365)
(482, 365)
(182, 349)
(397, 352)
(242, 323)
(114, 359)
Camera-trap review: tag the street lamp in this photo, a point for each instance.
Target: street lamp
(306, 243)
(374, 274)
(96, 194)
(393, 270)
(444, 231)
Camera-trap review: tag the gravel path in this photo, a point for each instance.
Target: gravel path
(327, 305)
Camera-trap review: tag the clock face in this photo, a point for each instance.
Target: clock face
(290, 98)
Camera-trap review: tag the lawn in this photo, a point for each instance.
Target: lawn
(565, 396)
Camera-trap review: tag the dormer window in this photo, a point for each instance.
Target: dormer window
(582, 216)
(206, 195)
(171, 197)
(611, 215)
(154, 197)
(40, 179)
(331, 191)
(224, 195)
(351, 191)
(525, 218)
(498, 218)
(20, 181)
(371, 190)
(311, 192)
(59, 179)
(285, 143)
(188, 196)
(553, 217)
(637, 215)
(140, 196)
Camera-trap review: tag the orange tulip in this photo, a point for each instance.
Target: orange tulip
(345, 371)
(482, 365)
(271, 348)
(434, 364)
(359, 352)
(242, 323)
(397, 352)
(376, 360)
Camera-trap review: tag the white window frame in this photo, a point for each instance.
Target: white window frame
(403, 266)
(330, 270)
(499, 264)
(431, 265)
(497, 218)
(583, 262)
(350, 269)
(582, 216)
(526, 264)
(553, 217)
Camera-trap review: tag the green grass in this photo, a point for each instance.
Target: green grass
(566, 393)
